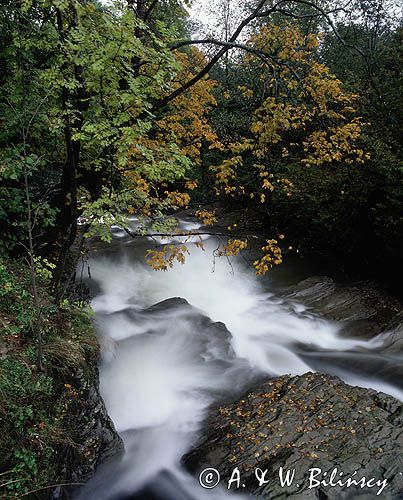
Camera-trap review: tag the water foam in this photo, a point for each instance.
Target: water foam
(158, 387)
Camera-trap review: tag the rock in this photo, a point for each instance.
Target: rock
(364, 308)
(99, 440)
(314, 289)
(96, 440)
(206, 335)
(168, 305)
(304, 422)
(210, 336)
(393, 336)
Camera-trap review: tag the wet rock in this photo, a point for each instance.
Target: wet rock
(364, 308)
(314, 289)
(393, 336)
(96, 440)
(168, 305)
(304, 422)
(99, 439)
(206, 335)
(212, 336)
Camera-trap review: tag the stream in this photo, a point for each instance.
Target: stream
(160, 374)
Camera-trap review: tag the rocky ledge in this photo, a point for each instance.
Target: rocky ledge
(95, 438)
(313, 421)
(364, 308)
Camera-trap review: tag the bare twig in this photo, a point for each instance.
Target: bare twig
(264, 56)
(190, 234)
(47, 488)
(204, 71)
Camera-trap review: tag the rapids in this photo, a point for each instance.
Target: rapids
(158, 381)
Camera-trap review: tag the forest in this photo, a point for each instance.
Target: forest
(275, 125)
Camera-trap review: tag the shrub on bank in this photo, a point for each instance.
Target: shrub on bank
(35, 405)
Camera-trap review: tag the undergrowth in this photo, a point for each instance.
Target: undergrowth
(35, 405)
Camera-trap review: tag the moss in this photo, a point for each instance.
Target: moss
(35, 405)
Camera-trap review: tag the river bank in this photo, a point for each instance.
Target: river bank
(55, 429)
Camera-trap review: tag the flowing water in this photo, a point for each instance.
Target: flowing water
(160, 374)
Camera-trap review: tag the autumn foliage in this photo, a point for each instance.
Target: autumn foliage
(301, 115)
(304, 116)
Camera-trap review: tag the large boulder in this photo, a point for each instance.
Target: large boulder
(176, 313)
(313, 421)
(393, 336)
(364, 308)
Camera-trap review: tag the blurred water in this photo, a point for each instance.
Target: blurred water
(160, 375)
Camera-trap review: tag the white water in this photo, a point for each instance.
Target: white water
(158, 386)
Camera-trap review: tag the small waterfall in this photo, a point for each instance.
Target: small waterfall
(161, 372)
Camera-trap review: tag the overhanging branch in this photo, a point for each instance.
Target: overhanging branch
(258, 13)
(187, 234)
(203, 72)
(263, 56)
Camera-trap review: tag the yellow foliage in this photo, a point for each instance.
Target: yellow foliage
(305, 116)
(272, 257)
(302, 99)
(267, 185)
(161, 260)
(187, 120)
(335, 144)
(178, 199)
(191, 185)
(233, 247)
(225, 174)
(179, 132)
(246, 92)
(208, 217)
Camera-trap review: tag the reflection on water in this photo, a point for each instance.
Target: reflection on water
(162, 371)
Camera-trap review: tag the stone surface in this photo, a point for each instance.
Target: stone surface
(364, 309)
(96, 440)
(304, 422)
(393, 336)
(99, 439)
(193, 322)
(168, 305)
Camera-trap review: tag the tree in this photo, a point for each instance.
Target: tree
(127, 118)
(105, 69)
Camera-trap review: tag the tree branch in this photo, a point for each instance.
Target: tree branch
(185, 234)
(203, 72)
(264, 56)
(329, 20)
(150, 9)
(258, 13)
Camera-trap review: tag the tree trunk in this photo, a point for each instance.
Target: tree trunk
(67, 221)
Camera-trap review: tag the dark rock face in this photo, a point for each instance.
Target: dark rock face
(363, 311)
(168, 305)
(96, 440)
(304, 422)
(364, 308)
(99, 439)
(393, 343)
